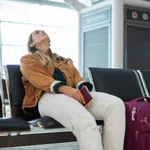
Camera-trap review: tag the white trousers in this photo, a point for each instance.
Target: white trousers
(81, 121)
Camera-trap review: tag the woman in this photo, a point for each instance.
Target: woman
(52, 88)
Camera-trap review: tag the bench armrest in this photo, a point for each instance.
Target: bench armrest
(13, 124)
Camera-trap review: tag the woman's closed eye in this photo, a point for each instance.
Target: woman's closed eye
(36, 32)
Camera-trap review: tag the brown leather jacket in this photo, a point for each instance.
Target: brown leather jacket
(38, 78)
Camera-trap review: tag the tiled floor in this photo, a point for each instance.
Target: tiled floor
(60, 146)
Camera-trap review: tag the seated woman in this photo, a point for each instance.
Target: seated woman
(52, 88)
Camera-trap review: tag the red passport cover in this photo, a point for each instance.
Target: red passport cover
(86, 94)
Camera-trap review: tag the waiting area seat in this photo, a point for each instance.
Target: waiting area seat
(145, 79)
(20, 122)
(124, 83)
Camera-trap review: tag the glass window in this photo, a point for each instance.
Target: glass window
(12, 54)
(19, 12)
(39, 14)
(60, 17)
(16, 33)
(18, 20)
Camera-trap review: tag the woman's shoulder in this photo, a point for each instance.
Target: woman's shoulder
(27, 58)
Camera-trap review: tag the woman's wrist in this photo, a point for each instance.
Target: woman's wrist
(62, 88)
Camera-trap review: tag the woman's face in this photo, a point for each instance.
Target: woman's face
(38, 37)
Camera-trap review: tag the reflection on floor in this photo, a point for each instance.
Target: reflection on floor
(58, 146)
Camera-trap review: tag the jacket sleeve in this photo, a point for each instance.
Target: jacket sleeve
(37, 75)
(80, 81)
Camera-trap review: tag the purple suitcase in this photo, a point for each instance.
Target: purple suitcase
(137, 135)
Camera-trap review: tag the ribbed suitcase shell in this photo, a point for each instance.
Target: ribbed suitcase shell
(137, 135)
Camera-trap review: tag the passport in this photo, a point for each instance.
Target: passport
(85, 92)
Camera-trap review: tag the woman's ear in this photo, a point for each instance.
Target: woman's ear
(32, 44)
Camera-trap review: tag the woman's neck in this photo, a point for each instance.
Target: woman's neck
(44, 48)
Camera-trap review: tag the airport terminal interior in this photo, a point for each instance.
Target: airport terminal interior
(93, 33)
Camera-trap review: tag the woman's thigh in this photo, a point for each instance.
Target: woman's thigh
(62, 108)
(101, 102)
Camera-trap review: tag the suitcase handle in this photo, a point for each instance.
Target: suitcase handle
(139, 98)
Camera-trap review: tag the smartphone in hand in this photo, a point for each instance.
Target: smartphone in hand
(85, 92)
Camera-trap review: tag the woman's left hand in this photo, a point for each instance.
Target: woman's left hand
(88, 104)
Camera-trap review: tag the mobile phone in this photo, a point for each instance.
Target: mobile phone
(85, 92)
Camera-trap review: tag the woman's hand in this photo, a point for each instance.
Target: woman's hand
(72, 92)
(87, 105)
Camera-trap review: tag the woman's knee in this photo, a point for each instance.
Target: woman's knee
(120, 103)
(117, 104)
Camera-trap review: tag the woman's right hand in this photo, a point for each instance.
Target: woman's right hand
(72, 92)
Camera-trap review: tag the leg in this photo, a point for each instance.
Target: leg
(72, 115)
(110, 109)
